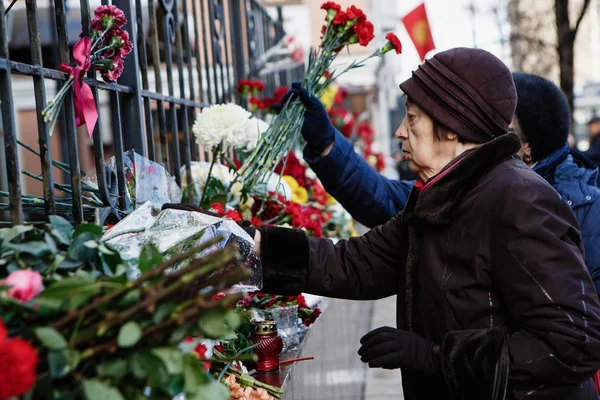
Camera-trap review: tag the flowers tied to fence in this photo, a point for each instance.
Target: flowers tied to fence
(105, 51)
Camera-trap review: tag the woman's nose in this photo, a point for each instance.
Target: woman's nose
(402, 132)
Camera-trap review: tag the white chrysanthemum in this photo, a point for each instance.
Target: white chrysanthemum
(222, 123)
(256, 128)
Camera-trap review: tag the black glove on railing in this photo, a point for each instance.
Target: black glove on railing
(317, 129)
(391, 348)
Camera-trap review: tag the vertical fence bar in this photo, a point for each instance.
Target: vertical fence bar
(67, 110)
(191, 114)
(184, 109)
(132, 103)
(141, 45)
(224, 26)
(201, 95)
(237, 39)
(251, 35)
(215, 51)
(160, 108)
(10, 135)
(169, 35)
(206, 37)
(115, 105)
(97, 134)
(40, 102)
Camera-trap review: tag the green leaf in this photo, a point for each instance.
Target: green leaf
(58, 364)
(198, 385)
(219, 198)
(150, 369)
(129, 334)
(233, 319)
(67, 287)
(162, 312)
(94, 229)
(113, 369)
(171, 358)
(37, 248)
(149, 258)
(61, 229)
(96, 390)
(16, 231)
(68, 263)
(51, 338)
(130, 298)
(218, 323)
(78, 249)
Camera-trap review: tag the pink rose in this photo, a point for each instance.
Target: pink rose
(24, 285)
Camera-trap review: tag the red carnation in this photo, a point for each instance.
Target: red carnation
(113, 73)
(256, 222)
(364, 31)
(279, 94)
(330, 5)
(301, 301)
(18, 362)
(354, 12)
(255, 104)
(201, 351)
(394, 42)
(119, 42)
(340, 18)
(108, 17)
(217, 208)
(243, 85)
(268, 103)
(258, 85)
(234, 215)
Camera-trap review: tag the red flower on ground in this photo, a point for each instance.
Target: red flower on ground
(217, 208)
(200, 351)
(18, 362)
(364, 31)
(395, 42)
(234, 215)
(340, 18)
(301, 301)
(330, 5)
(256, 222)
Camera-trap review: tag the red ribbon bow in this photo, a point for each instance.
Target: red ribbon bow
(85, 105)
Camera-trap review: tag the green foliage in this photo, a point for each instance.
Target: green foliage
(101, 336)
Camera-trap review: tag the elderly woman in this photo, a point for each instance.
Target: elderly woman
(494, 300)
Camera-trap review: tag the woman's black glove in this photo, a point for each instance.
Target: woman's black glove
(390, 348)
(317, 129)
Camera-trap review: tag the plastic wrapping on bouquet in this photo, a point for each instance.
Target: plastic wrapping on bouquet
(174, 231)
(269, 345)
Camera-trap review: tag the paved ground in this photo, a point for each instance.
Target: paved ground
(337, 372)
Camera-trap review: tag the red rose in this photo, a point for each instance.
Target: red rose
(395, 42)
(364, 31)
(354, 12)
(18, 362)
(330, 5)
(340, 18)
(217, 208)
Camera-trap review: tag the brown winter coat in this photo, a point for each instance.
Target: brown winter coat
(488, 252)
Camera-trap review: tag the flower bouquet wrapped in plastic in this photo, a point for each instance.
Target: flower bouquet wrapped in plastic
(173, 231)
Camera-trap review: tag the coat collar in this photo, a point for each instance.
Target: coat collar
(437, 205)
(575, 180)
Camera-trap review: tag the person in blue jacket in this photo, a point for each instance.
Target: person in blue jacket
(542, 120)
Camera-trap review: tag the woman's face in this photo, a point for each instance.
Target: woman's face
(426, 155)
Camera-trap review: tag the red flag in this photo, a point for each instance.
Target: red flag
(417, 25)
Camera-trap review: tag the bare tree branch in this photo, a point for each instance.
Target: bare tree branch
(532, 40)
(584, 8)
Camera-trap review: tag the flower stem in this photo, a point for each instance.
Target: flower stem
(216, 150)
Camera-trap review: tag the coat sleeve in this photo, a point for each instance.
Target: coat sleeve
(369, 197)
(362, 268)
(538, 269)
(590, 230)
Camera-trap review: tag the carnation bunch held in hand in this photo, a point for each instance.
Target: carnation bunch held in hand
(342, 28)
(105, 51)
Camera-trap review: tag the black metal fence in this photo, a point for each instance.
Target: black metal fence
(203, 46)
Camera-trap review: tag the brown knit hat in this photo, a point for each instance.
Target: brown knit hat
(469, 91)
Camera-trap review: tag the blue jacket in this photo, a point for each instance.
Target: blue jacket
(372, 199)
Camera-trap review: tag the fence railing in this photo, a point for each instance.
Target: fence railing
(187, 54)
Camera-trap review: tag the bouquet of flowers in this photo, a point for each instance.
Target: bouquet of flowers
(105, 51)
(82, 330)
(342, 28)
